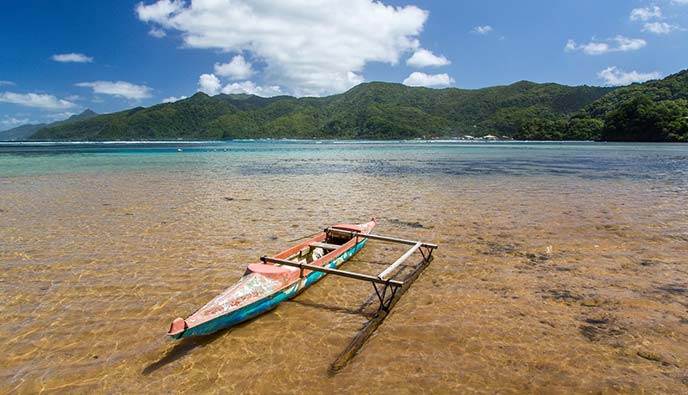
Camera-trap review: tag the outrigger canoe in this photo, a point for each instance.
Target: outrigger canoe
(265, 285)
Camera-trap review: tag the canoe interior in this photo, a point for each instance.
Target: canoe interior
(263, 286)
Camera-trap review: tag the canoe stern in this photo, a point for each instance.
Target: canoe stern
(177, 328)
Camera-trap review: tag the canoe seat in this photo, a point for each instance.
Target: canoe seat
(325, 246)
(349, 227)
(269, 269)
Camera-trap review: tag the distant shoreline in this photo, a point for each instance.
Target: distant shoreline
(315, 141)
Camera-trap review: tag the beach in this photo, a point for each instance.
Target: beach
(561, 267)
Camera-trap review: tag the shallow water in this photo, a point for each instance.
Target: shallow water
(561, 268)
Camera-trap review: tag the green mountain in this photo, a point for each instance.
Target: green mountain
(24, 131)
(373, 110)
(652, 111)
(20, 132)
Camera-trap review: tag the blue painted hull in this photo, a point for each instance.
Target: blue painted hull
(269, 302)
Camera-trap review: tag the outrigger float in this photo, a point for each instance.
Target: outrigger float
(283, 276)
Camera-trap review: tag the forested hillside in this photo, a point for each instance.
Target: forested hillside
(373, 110)
(651, 111)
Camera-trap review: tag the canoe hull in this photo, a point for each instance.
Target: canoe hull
(269, 302)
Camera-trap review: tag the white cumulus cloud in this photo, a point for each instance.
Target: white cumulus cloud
(628, 44)
(614, 44)
(71, 58)
(157, 33)
(173, 99)
(251, 88)
(592, 48)
(424, 58)
(646, 13)
(158, 10)
(10, 121)
(430, 80)
(209, 84)
(310, 49)
(38, 100)
(615, 77)
(237, 68)
(482, 29)
(122, 89)
(4, 82)
(651, 17)
(660, 27)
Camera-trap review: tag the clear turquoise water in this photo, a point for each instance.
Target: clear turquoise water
(668, 162)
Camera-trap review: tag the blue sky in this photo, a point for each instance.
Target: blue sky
(61, 57)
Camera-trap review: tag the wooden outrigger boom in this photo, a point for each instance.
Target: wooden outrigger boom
(381, 238)
(384, 279)
(337, 272)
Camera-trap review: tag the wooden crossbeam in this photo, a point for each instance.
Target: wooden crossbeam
(381, 238)
(384, 278)
(336, 272)
(326, 246)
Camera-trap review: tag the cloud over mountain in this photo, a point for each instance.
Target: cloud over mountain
(237, 68)
(122, 89)
(614, 76)
(311, 49)
(424, 58)
(618, 43)
(36, 100)
(428, 80)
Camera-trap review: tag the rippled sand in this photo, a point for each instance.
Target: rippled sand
(540, 284)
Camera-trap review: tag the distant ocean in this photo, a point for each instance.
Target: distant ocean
(449, 158)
